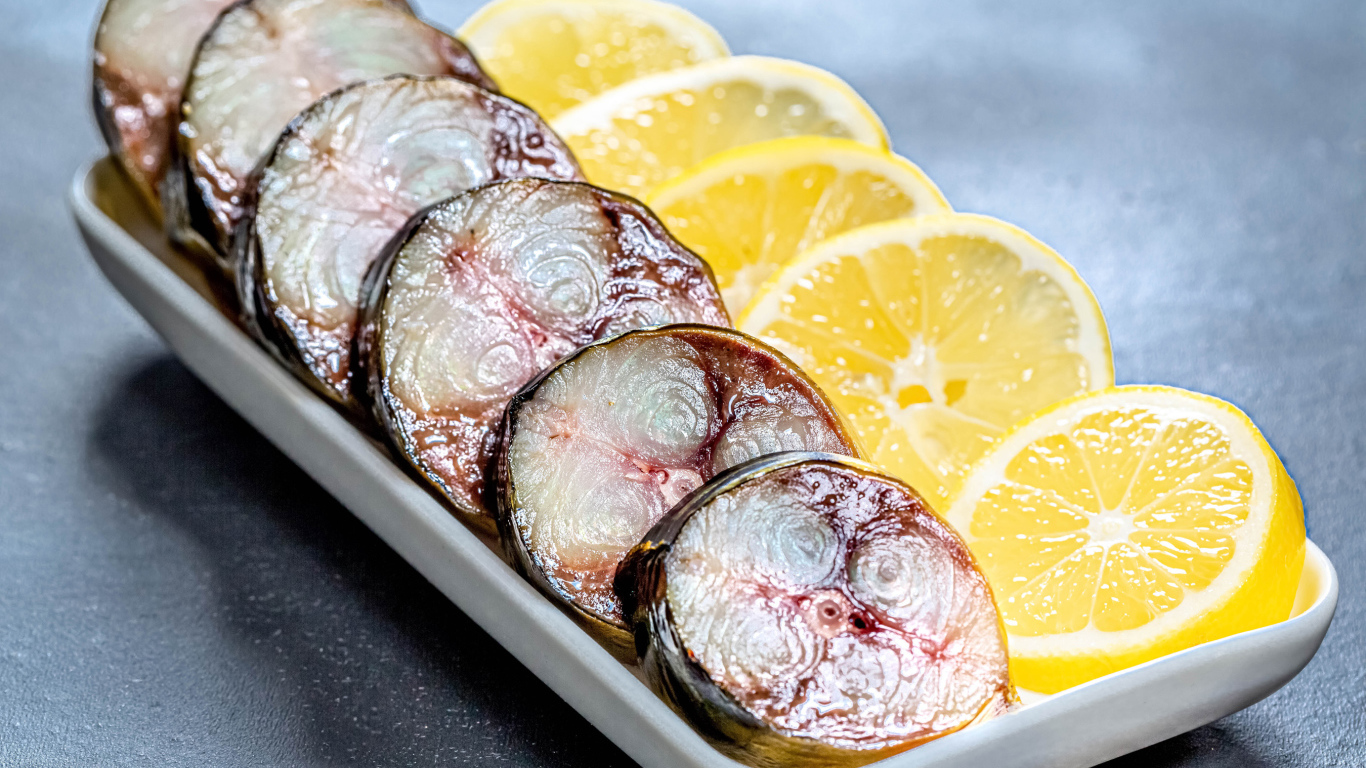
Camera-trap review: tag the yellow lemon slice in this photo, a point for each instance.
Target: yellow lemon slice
(553, 54)
(935, 334)
(1125, 524)
(750, 209)
(649, 130)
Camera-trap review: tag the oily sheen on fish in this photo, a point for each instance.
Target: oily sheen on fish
(345, 176)
(141, 60)
(482, 292)
(808, 609)
(261, 63)
(601, 446)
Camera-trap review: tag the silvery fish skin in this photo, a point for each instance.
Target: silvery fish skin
(601, 446)
(263, 62)
(808, 609)
(141, 60)
(482, 292)
(345, 176)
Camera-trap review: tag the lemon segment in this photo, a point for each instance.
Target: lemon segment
(750, 209)
(638, 135)
(554, 54)
(1129, 523)
(934, 334)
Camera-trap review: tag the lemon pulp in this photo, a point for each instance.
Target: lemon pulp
(554, 54)
(750, 209)
(934, 335)
(635, 136)
(1127, 524)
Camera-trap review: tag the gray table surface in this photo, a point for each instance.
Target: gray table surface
(174, 592)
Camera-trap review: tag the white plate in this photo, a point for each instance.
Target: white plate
(1080, 727)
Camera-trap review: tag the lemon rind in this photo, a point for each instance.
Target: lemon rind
(1093, 345)
(1074, 658)
(482, 30)
(836, 97)
(777, 155)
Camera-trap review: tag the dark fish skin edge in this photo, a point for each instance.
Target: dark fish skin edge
(367, 367)
(641, 584)
(187, 218)
(615, 203)
(612, 636)
(110, 133)
(105, 122)
(185, 222)
(615, 637)
(248, 268)
(171, 206)
(367, 371)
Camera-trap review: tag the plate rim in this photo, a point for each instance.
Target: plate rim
(665, 739)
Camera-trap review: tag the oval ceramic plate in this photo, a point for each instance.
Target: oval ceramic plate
(1079, 727)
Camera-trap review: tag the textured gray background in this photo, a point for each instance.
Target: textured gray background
(175, 593)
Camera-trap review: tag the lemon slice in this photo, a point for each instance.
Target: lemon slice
(649, 130)
(553, 54)
(750, 209)
(934, 335)
(1122, 525)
